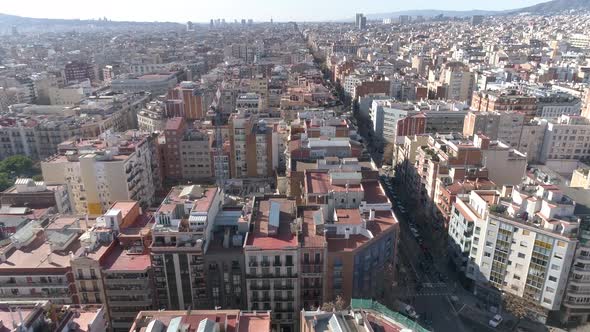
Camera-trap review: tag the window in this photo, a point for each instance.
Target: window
(487, 254)
(525, 232)
(550, 289)
(489, 244)
(552, 278)
(546, 300)
(521, 255)
(561, 244)
(555, 267)
(523, 244)
(517, 277)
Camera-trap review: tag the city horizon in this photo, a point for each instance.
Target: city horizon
(21, 10)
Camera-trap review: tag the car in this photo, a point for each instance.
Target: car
(410, 312)
(496, 320)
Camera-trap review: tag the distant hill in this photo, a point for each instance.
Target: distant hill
(29, 23)
(553, 7)
(545, 8)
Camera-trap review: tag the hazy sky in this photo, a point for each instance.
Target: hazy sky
(203, 10)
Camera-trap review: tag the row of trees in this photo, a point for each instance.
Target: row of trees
(14, 167)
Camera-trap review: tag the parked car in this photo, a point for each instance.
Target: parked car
(496, 320)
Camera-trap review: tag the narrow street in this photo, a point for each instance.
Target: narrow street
(427, 286)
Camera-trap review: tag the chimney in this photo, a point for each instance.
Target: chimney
(371, 215)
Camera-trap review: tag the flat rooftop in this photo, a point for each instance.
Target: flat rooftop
(308, 231)
(118, 260)
(261, 238)
(384, 221)
(38, 255)
(232, 320)
(321, 183)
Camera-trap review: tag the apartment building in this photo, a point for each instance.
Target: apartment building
(250, 102)
(126, 268)
(260, 86)
(404, 155)
(36, 194)
(385, 115)
(393, 120)
(501, 101)
(506, 127)
(170, 148)
(254, 146)
(79, 71)
(152, 117)
(195, 156)
(224, 259)
(183, 222)
(312, 259)
(271, 254)
(38, 129)
(319, 122)
(448, 192)
(156, 84)
(114, 269)
(186, 101)
(454, 82)
(524, 247)
(35, 264)
(101, 171)
(566, 138)
(554, 106)
(445, 160)
(360, 230)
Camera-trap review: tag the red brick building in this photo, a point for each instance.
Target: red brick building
(186, 101)
(170, 148)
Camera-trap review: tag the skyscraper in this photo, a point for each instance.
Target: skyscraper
(358, 19)
(361, 21)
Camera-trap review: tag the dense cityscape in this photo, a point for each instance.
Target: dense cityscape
(400, 173)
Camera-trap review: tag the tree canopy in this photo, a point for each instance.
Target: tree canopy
(14, 167)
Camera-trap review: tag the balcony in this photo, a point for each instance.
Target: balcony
(284, 299)
(86, 278)
(580, 269)
(260, 287)
(284, 287)
(261, 299)
(312, 269)
(36, 284)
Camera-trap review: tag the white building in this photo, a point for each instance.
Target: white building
(385, 114)
(524, 248)
(566, 138)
